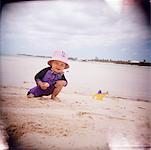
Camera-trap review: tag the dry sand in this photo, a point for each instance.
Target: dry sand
(78, 122)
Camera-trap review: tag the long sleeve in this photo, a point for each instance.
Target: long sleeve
(41, 74)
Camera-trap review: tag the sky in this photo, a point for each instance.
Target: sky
(83, 28)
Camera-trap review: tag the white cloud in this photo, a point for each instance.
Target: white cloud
(71, 25)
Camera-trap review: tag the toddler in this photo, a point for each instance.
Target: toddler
(51, 80)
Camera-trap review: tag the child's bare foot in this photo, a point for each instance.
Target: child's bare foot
(30, 95)
(55, 98)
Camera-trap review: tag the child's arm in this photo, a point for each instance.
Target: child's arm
(40, 74)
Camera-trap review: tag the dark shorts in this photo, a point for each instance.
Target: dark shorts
(37, 91)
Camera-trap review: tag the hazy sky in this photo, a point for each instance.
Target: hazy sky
(83, 28)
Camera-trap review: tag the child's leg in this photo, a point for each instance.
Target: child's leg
(37, 92)
(56, 91)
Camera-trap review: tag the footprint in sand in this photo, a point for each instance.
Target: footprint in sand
(31, 126)
(14, 131)
(108, 108)
(141, 108)
(83, 113)
(87, 114)
(11, 129)
(49, 130)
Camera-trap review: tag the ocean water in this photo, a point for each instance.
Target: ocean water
(127, 81)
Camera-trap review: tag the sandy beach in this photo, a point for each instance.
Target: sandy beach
(109, 49)
(121, 121)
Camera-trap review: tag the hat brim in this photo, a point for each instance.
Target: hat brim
(50, 62)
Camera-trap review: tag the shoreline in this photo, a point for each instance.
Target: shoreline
(122, 62)
(107, 61)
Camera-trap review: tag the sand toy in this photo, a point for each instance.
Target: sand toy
(100, 95)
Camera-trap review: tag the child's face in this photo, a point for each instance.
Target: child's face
(58, 66)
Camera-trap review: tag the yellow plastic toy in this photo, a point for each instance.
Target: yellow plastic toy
(100, 95)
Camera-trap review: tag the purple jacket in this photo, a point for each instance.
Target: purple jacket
(46, 75)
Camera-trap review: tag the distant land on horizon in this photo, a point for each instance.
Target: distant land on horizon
(129, 62)
(34, 55)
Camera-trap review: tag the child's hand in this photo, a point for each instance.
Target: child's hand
(60, 83)
(43, 85)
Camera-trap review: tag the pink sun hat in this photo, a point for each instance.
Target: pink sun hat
(59, 55)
